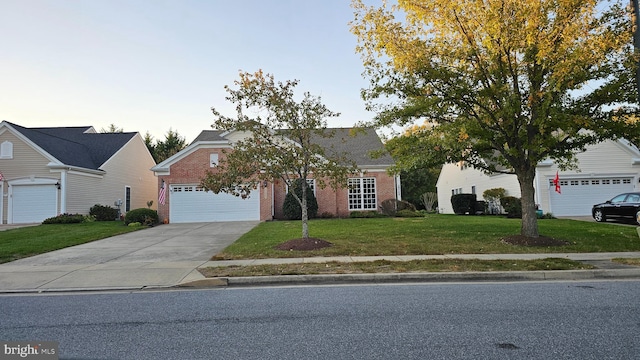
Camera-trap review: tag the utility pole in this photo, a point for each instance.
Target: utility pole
(636, 39)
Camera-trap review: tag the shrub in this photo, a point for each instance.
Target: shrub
(493, 196)
(512, 206)
(65, 219)
(144, 216)
(408, 213)
(390, 207)
(463, 203)
(366, 214)
(326, 215)
(291, 207)
(103, 213)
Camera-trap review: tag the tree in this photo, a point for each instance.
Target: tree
(148, 141)
(281, 141)
(505, 84)
(171, 145)
(111, 129)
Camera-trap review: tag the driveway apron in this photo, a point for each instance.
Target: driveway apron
(164, 255)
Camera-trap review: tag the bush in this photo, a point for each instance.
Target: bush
(326, 215)
(65, 219)
(103, 213)
(390, 207)
(512, 206)
(408, 213)
(134, 224)
(291, 207)
(463, 203)
(366, 214)
(144, 216)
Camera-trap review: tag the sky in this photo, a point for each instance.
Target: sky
(155, 65)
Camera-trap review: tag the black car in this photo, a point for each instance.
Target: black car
(625, 205)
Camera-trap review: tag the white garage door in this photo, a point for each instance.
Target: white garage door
(579, 195)
(33, 203)
(190, 203)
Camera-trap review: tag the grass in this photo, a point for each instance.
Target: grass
(432, 235)
(627, 261)
(33, 240)
(384, 266)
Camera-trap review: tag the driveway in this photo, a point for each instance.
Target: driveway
(164, 255)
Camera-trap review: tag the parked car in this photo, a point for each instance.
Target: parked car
(625, 205)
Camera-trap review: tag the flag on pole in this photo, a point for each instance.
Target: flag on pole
(1, 176)
(556, 182)
(163, 194)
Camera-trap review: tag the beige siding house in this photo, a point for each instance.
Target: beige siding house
(50, 171)
(604, 170)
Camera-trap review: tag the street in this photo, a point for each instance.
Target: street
(551, 320)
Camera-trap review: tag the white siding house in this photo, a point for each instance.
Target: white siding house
(604, 170)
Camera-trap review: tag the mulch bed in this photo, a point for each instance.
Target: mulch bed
(520, 240)
(304, 244)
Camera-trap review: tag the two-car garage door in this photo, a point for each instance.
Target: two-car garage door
(579, 195)
(190, 203)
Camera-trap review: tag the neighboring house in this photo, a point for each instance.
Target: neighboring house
(55, 170)
(186, 200)
(604, 170)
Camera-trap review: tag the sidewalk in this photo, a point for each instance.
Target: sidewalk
(15, 278)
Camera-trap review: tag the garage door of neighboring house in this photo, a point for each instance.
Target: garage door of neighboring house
(579, 195)
(190, 203)
(32, 203)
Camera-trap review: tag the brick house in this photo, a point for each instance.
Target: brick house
(186, 201)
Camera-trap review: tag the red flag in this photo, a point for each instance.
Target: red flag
(556, 182)
(163, 194)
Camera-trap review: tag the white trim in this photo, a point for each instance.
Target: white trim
(1, 201)
(27, 182)
(30, 143)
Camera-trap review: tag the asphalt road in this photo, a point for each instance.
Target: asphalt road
(551, 320)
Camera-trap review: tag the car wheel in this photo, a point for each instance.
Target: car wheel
(599, 215)
(638, 217)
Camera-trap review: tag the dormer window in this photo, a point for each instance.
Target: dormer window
(6, 150)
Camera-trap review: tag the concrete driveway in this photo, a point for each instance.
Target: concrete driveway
(164, 255)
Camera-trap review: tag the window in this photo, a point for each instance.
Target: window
(574, 182)
(595, 182)
(606, 182)
(473, 189)
(6, 150)
(362, 194)
(616, 181)
(584, 182)
(618, 199)
(626, 181)
(127, 198)
(213, 160)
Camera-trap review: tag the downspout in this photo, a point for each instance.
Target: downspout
(63, 192)
(273, 201)
(396, 179)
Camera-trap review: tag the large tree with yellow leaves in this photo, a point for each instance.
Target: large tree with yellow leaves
(503, 84)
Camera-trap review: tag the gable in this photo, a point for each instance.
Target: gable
(74, 146)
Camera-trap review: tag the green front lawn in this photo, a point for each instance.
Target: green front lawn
(33, 240)
(431, 235)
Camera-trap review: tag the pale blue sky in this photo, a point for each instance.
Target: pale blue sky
(151, 65)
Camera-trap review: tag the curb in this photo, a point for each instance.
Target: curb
(338, 279)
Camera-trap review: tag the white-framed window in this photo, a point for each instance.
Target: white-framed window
(6, 150)
(456, 191)
(213, 160)
(362, 194)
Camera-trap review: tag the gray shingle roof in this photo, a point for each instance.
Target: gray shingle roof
(357, 144)
(73, 146)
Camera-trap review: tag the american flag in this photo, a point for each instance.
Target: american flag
(1, 176)
(556, 182)
(163, 194)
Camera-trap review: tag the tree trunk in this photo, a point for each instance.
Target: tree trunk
(305, 213)
(529, 226)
